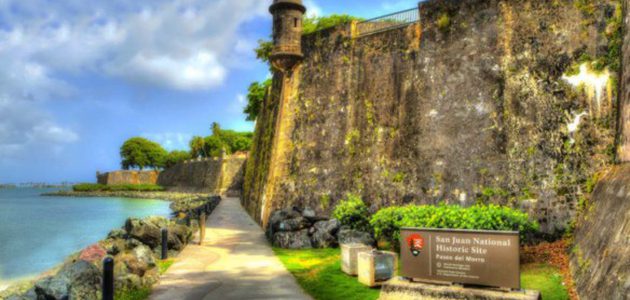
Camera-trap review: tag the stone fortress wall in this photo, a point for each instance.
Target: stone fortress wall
(475, 103)
(218, 176)
(127, 177)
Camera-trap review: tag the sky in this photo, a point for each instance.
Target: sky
(78, 78)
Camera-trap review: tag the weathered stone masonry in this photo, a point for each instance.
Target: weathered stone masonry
(470, 110)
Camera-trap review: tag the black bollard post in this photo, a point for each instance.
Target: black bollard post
(164, 243)
(108, 278)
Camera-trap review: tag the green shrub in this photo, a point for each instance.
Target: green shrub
(88, 187)
(96, 187)
(353, 212)
(388, 222)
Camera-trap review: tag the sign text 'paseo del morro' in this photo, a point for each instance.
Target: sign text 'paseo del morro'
(489, 258)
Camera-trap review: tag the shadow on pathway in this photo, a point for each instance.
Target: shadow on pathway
(234, 262)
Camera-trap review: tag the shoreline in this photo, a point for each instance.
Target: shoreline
(179, 202)
(165, 196)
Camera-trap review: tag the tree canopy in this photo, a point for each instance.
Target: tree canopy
(255, 98)
(212, 146)
(175, 157)
(142, 153)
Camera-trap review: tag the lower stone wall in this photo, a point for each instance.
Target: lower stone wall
(210, 175)
(128, 177)
(600, 259)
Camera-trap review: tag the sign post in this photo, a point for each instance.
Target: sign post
(487, 258)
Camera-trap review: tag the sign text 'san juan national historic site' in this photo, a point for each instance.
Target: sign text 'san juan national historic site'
(486, 258)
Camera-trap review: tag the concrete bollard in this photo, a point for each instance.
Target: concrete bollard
(108, 279)
(349, 257)
(164, 243)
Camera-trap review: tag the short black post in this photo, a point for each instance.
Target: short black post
(188, 223)
(164, 243)
(108, 278)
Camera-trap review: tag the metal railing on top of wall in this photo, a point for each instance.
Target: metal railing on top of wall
(387, 22)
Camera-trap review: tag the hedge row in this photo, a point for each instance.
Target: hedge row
(96, 187)
(387, 222)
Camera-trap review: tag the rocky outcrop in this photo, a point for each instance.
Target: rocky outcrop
(600, 259)
(293, 228)
(77, 280)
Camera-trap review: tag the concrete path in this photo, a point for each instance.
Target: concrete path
(234, 262)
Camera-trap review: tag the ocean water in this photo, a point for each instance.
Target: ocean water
(37, 233)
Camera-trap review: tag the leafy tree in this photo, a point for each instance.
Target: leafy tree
(142, 153)
(255, 98)
(197, 147)
(263, 52)
(215, 128)
(213, 146)
(313, 24)
(175, 157)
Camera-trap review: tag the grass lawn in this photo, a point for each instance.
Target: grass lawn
(545, 279)
(318, 271)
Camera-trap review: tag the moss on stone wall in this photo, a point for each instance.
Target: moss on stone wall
(410, 116)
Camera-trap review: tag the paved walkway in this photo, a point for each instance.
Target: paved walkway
(234, 262)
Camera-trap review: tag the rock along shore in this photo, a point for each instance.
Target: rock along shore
(136, 249)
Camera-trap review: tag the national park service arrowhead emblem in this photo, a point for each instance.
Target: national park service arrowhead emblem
(415, 243)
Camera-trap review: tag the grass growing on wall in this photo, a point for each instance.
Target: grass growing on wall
(319, 273)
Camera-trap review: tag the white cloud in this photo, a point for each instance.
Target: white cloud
(200, 71)
(240, 98)
(170, 140)
(313, 9)
(175, 44)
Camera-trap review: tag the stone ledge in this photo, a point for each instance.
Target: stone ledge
(399, 289)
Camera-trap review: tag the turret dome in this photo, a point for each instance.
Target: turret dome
(294, 4)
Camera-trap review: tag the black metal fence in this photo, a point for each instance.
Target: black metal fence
(388, 22)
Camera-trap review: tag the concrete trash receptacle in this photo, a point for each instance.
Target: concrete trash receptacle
(350, 255)
(375, 267)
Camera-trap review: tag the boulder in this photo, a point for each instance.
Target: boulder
(127, 282)
(113, 246)
(117, 234)
(146, 232)
(78, 280)
(292, 239)
(132, 243)
(351, 236)
(296, 224)
(159, 222)
(182, 232)
(322, 239)
(323, 234)
(94, 254)
(278, 217)
(330, 226)
(133, 263)
(309, 213)
(144, 255)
